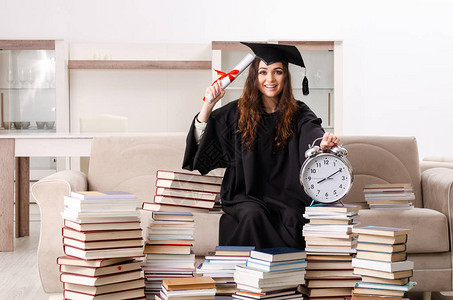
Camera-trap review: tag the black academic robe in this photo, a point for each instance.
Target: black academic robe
(261, 195)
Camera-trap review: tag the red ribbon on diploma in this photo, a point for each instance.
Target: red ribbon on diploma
(229, 74)
(223, 75)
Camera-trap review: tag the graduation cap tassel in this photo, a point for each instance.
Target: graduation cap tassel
(305, 90)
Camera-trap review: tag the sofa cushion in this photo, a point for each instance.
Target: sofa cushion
(429, 228)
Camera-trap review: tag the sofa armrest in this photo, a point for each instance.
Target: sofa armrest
(48, 193)
(437, 184)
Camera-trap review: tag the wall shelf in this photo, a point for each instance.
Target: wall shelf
(27, 44)
(140, 64)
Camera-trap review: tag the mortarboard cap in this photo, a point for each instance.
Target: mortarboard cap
(272, 53)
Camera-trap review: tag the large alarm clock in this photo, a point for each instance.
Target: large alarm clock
(326, 175)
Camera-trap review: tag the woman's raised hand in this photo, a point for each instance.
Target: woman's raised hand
(329, 140)
(217, 93)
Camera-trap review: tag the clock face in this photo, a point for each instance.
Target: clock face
(326, 178)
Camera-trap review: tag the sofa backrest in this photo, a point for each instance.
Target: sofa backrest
(129, 163)
(381, 159)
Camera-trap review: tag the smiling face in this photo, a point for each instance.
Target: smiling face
(270, 79)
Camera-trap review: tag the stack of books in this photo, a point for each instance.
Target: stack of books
(381, 261)
(330, 245)
(114, 278)
(273, 273)
(187, 288)
(221, 265)
(389, 196)
(168, 248)
(101, 238)
(193, 192)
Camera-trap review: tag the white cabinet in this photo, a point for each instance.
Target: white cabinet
(319, 61)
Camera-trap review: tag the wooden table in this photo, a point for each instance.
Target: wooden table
(15, 153)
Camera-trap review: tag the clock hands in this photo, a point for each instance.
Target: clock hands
(329, 177)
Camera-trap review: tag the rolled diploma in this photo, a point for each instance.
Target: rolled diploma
(241, 66)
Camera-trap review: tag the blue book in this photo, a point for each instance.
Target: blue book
(276, 263)
(277, 266)
(278, 254)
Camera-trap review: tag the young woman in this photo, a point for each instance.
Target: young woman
(261, 140)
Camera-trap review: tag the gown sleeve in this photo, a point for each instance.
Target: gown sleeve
(209, 154)
(310, 129)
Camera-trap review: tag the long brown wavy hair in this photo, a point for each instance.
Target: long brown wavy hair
(250, 107)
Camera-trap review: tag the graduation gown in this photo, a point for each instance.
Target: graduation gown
(261, 195)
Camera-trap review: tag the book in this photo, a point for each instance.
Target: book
(102, 195)
(278, 254)
(325, 292)
(374, 297)
(329, 283)
(103, 253)
(129, 294)
(383, 231)
(388, 248)
(331, 274)
(382, 256)
(100, 216)
(104, 289)
(170, 249)
(191, 177)
(242, 269)
(402, 187)
(184, 201)
(277, 266)
(88, 271)
(252, 289)
(328, 265)
(383, 266)
(72, 261)
(103, 244)
(102, 226)
(234, 250)
(99, 204)
(313, 240)
(188, 293)
(172, 208)
(184, 185)
(344, 208)
(172, 216)
(330, 221)
(379, 239)
(271, 294)
(100, 280)
(368, 291)
(379, 286)
(190, 283)
(207, 196)
(400, 281)
(102, 235)
(383, 274)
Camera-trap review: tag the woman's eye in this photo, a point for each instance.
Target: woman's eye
(262, 73)
(278, 72)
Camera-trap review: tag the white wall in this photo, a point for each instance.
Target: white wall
(397, 54)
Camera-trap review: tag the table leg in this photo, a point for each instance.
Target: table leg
(22, 197)
(23, 168)
(7, 154)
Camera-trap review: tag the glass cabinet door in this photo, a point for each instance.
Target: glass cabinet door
(27, 91)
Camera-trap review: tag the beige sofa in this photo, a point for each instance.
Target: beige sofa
(130, 163)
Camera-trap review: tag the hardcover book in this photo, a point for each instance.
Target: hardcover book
(379, 230)
(184, 185)
(278, 254)
(102, 195)
(190, 177)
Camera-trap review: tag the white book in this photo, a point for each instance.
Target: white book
(187, 194)
(383, 266)
(184, 185)
(191, 177)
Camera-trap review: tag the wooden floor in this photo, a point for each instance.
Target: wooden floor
(19, 277)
